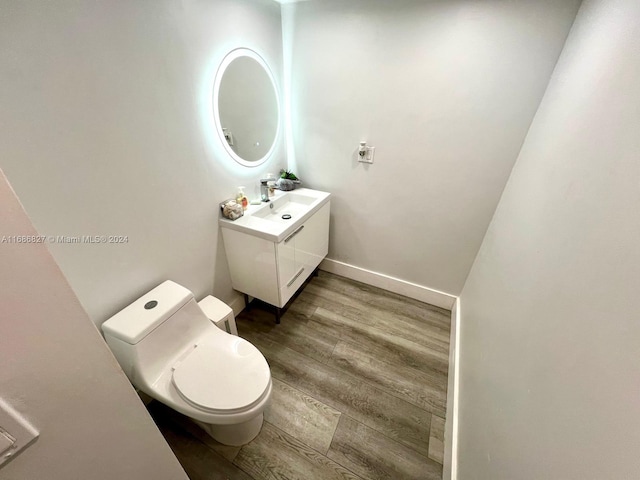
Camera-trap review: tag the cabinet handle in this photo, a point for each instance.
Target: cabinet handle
(293, 234)
(295, 276)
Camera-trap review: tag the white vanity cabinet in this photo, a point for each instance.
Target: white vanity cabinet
(271, 259)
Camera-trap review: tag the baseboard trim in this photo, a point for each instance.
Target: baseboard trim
(395, 285)
(450, 467)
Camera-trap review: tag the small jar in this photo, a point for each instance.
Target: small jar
(271, 184)
(264, 190)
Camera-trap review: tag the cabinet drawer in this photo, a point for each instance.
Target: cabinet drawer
(294, 283)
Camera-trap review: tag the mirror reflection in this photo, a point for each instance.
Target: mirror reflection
(246, 107)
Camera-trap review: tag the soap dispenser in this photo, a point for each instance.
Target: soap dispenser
(241, 198)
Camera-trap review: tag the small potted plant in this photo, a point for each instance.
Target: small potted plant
(288, 180)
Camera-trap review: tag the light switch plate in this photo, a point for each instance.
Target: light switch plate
(370, 152)
(16, 433)
(368, 155)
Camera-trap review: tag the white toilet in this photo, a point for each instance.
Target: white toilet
(171, 351)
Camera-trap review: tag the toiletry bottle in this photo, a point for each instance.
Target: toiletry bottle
(241, 198)
(271, 185)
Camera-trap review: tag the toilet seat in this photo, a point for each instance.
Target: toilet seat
(228, 378)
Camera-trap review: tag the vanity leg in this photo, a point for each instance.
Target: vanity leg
(246, 300)
(278, 312)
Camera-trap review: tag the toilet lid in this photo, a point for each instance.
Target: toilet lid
(223, 378)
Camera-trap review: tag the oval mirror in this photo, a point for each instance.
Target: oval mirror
(246, 107)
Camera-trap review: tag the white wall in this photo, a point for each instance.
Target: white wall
(59, 374)
(549, 346)
(106, 129)
(445, 91)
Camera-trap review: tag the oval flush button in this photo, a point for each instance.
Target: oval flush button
(150, 305)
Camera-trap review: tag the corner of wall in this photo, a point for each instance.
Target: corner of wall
(450, 467)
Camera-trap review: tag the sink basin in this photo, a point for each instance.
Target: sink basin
(286, 208)
(277, 219)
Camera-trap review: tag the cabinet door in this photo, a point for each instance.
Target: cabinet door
(312, 243)
(302, 252)
(252, 264)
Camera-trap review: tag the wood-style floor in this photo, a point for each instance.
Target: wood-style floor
(359, 391)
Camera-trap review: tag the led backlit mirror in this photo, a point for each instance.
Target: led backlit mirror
(246, 107)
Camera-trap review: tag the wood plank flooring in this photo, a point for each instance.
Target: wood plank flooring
(359, 391)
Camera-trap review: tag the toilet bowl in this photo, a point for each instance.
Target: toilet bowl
(171, 351)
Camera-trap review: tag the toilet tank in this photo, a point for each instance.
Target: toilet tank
(136, 321)
(153, 331)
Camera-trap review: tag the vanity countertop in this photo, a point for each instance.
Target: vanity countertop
(266, 220)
